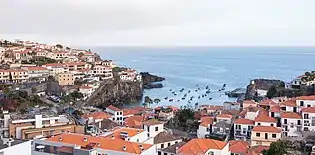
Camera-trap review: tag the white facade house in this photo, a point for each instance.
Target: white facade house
(153, 127)
(243, 128)
(265, 120)
(15, 147)
(86, 91)
(251, 114)
(291, 124)
(205, 127)
(308, 115)
(117, 113)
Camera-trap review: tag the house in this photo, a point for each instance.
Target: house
(134, 122)
(305, 101)
(275, 111)
(265, 120)
(205, 127)
(68, 143)
(239, 147)
(265, 135)
(153, 127)
(291, 124)
(56, 68)
(103, 71)
(95, 117)
(289, 105)
(221, 129)
(165, 139)
(210, 109)
(243, 128)
(250, 112)
(128, 134)
(107, 125)
(224, 118)
(117, 113)
(171, 150)
(19, 75)
(75, 66)
(86, 91)
(267, 104)
(308, 115)
(37, 73)
(65, 79)
(231, 106)
(202, 146)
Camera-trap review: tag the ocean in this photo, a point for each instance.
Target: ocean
(197, 67)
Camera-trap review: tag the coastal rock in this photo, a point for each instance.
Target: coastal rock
(261, 84)
(236, 92)
(150, 81)
(116, 93)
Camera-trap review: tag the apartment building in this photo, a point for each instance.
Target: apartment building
(65, 79)
(78, 144)
(308, 115)
(117, 113)
(291, 124)
(4, 76)
(153, 127)
(75, 66)
(57, 55)
(19, 75)
(56, 68)
(205, 127)
(37, 73)
(243, 128)
(105, 72)
(29, 126)
(265, 135)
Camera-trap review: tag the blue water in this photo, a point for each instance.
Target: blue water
(214, 66)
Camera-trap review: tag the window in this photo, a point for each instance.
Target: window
(271, 124)
(306, 116)
(308, 105)
(162, 146)
(301, 103)
(211, 153)
(257, 134)
(165, 153)
(285, 121)
(168, 144)
(274, 136)
(156, 128)
(258, 124)
(148, 129)
(159, 153)
(299, 122)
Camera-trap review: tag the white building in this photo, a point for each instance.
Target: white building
(10, 146)
(86, 91)
(117, 113)
(153, 127)
(165, 139)
(205, 127)
(243, 128)
(104, 71)
(224, 118)
(308, 115)
(291, 124)
(56, 68)
(38, 73)
(265, 120)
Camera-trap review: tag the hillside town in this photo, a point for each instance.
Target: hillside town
(42, 121)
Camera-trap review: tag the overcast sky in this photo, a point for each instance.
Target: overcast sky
(160, 22)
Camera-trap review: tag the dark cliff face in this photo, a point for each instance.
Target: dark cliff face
(263, 84)
(116, 93)
(150, 81)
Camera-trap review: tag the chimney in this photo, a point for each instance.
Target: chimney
(138, 131)
(113, 137)
(85, 139)
(124, 148)
(60, 138)
(98, 144)
(141, 146)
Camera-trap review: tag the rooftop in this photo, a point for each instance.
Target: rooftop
(205, 121)
(265, 118)
(134, 121)
(292, 115)
(165, 137)
(97, 115)
(13, 142)
(239, 146)
(244, 121)
(172, 149)
(200, 146)
(308, 110)
(289, 103)
(306, 97)
(90, 142)
(152, 122)
(111, 107)
(224, 116)
(116, 132)
(266, 129)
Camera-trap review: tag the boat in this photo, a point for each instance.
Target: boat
(166, 98)
(207, 87)
(208, 91)
(210, 98)
(185, 95)
(183, 98)
(171, 100)
(196, 104)
(171, 90)
(178, 100)
(188, 91)
(198, 97)
(181, 90)
(196, 90)
(175, 94)
(203, 96)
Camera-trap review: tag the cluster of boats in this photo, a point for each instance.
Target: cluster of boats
(191, 98)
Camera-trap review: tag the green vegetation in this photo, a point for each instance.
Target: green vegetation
(272, 92)
(156, 100)
(39, 61)
(308, 76)
(147, 101)
(185, 120)
(59, 46)
(276, 148)
(72, 97)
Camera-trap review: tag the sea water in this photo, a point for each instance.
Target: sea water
(197, 67)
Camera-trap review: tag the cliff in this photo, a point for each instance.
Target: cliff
(151, 81)
(116, 93)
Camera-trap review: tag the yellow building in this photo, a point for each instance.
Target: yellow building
(65, 79)
(265, 135)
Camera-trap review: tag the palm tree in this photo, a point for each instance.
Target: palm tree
(144, 104)
(157, 100)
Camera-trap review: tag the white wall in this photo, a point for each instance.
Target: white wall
(19, 149)
(202, 131)
(224, 151)
(266, 124)
(140, 138)
(152, 131)
(251, 115)
(292, 130)
(165, 145)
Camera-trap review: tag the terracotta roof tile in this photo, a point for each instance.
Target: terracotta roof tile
(224, 116)
(265, 118)
(97, 115)
(116, 132)
(37, 68)
(200, 146)
(244, 121)
(271, 129)
(292, 115)
(238, 146)
(111, 107)
(205, 121)
(258, 149)
(134, 121)
(105, 143)
(290, 103)
(308, 110)
(306, 97)
(85, 87)
(275, 109)
(268, 102)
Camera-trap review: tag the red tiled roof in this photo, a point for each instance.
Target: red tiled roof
(224, 116)
(85, 87)
(258, 149)
(290, 115)
(200, 146)
(265, 118)
(244, 121)
(275, 109)
(268, 102)
(111, 107)
(97, 115)
(306, 97)
(205, 121)
(134, 121)
(249, 102)
(35, 68)
(238, 146)
(289, 103)
(308, 110)
(271, 129)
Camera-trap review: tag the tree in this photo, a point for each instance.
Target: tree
(148, 100)
(276, 148)
(307, 74)
(76, 95)
(34, 90)
(59, 46)
(272, 92)
(80, 54)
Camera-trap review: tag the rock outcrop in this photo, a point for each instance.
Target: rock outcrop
(116, 93)
(261, 84)
(151, 81)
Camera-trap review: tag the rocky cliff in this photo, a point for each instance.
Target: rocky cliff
(151, 81)
(116, 93)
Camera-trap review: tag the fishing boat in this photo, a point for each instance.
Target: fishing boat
(171, 100)
(185, 95)
(210, 98)
(166, 98)
(207, 87)
(183, 98)
(198, 97)
(208, 91)
(188, 91)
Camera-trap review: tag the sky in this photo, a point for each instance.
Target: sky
(160, 22)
